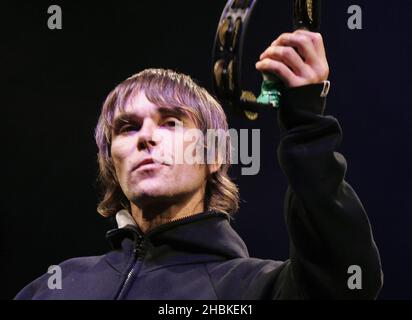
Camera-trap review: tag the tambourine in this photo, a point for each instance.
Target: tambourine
(227, 56)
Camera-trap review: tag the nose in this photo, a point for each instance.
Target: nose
(145, 139)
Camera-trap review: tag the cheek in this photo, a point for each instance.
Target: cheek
(121, 149)
(123, 146)
(172, 148)
(192, 174)
(194, 151)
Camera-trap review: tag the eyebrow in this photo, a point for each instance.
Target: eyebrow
(127, 117)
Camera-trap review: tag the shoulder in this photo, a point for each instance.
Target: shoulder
(47, 285)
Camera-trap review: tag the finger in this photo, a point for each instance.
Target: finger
(302, 43)
(288, 56)
(278, 68)
(320, 66)
(317, 40)
(276, 42)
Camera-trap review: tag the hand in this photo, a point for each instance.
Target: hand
(297, 58)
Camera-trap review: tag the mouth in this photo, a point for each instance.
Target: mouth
(147, 164)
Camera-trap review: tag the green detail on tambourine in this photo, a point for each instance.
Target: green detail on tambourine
(269, 94)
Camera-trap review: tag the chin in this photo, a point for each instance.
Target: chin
(148, 193)
(150, 199)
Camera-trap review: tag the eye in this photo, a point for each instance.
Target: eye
(128, 128)
(172, 122)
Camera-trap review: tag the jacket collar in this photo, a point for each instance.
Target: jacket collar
(204, 237)
(124, 218)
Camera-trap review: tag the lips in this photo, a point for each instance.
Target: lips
(149, 162)
(145, 161)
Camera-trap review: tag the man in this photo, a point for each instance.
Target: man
(174, 240)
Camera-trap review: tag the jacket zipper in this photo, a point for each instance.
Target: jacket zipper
(138, 253)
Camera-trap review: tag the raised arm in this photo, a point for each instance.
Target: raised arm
(327, 224)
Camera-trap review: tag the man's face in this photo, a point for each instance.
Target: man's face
(142, 132)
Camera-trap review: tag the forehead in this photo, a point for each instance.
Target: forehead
(137, 105)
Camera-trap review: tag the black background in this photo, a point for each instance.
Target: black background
(53, 83)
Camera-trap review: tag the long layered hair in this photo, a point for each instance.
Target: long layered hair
(171, 89)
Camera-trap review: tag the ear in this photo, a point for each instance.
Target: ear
(214, 167)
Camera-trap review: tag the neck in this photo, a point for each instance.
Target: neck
(160, 212)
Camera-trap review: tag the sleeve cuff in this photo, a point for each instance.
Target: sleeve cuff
(301, 105)
(311, 97)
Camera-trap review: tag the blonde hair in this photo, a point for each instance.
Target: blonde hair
(171, 89)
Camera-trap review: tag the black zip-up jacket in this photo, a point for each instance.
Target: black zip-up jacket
(202, 257)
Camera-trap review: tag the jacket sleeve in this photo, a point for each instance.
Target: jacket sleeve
(328, 227)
